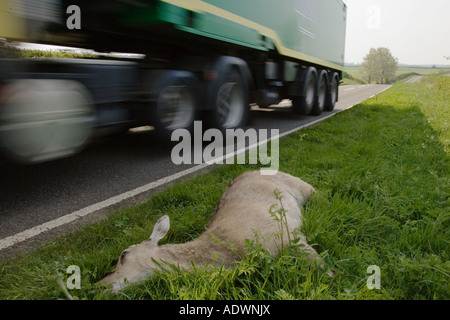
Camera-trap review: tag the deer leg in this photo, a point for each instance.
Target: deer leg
(312, 254)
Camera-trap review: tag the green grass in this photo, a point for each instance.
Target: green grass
(382, 174)
(11, 52)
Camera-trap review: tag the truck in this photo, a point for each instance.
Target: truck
(207, 60)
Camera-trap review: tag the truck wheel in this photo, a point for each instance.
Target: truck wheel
(304, 103)
(172, 100)
(175, 108)
(322, 85)
(332, 95)
(231, 106)
(45, 119)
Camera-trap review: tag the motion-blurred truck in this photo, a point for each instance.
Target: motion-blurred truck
(201, 60)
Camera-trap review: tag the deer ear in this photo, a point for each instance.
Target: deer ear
(159, 230)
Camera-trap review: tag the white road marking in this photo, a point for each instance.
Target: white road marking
(32, 232)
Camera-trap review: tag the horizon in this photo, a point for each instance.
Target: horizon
(405, 65)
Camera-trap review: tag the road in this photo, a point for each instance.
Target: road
(414, 79)
(41, 201)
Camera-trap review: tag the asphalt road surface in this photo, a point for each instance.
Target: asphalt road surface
(48, 199)
(414, 79)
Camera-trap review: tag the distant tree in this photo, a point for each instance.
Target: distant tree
(379, 66)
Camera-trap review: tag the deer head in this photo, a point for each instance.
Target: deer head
(136, 262)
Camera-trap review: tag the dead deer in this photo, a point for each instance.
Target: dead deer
(243, 209)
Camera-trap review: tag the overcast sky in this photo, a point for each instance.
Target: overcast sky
(416, 31)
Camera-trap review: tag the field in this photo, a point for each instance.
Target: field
(382, 174)
(355, 75)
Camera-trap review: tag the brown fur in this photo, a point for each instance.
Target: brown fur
(242, 210)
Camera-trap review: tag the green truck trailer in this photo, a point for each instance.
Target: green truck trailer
(206, 60)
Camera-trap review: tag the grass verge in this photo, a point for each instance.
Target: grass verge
(382, 172)
(12, 52)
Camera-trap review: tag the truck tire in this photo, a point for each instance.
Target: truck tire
(321, 91)
(303, 102)
(173, 100)
(230, 99)
(45, 119)
(332, 95)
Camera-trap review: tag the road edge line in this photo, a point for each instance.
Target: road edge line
(25, 235)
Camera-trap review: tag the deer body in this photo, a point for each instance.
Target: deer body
(243, 210)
